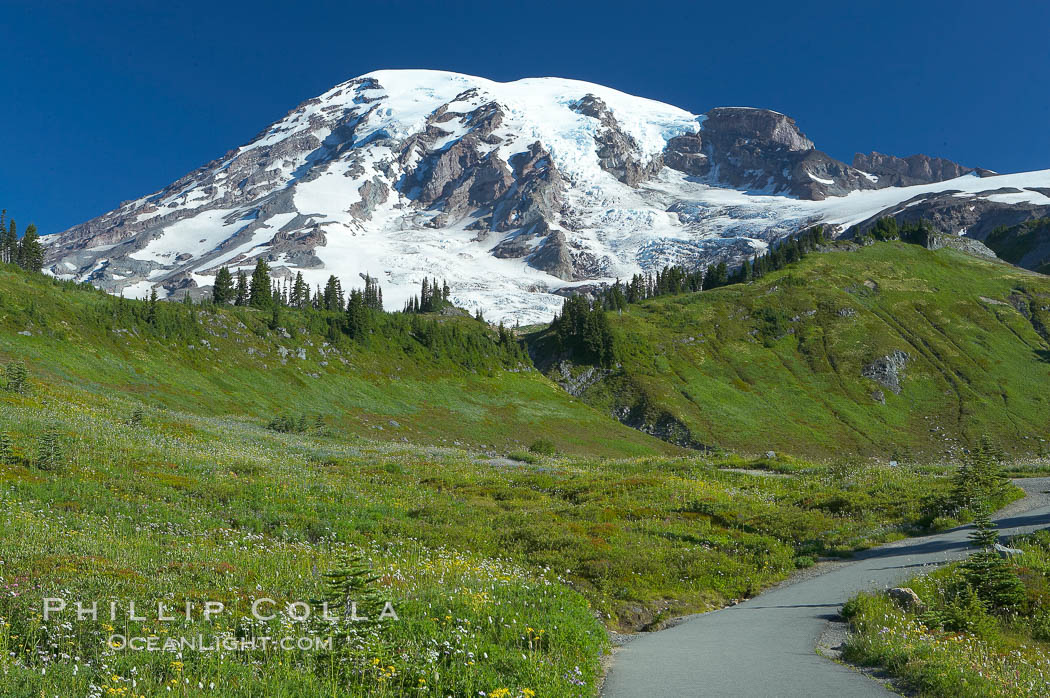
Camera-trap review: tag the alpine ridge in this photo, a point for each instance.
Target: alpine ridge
(516, 193)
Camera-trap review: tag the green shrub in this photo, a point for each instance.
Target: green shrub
(1040, 625)
(49, 450)
(7, 453)
(943, 523)
(961, 610)
(137, 416)
(543, 447)
(16, 377)
(287, 424)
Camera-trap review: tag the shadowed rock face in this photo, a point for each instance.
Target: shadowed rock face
(464, 175)
(761, 150)
(686, 154)
(729, 127)
(917, 169)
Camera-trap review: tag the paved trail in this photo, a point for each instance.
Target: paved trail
(765, 646)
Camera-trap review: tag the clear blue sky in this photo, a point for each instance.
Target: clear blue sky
(106, 101)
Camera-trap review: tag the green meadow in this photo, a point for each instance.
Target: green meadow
(186, 454)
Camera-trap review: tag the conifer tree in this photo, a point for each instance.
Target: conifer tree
(259, 293)
(332, 298)
(357, 315)
(424, 296)
(985, 534)
(300, 294)
(16, 376)
(979, 479)
(993, 579)
(151, 307)
(223, 292)
(351, 592)
(10, 243)
(241, 292)
(7, 452)
(30, 252)
(49, 449)
(373, 295)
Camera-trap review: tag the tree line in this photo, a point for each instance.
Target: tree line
(26, 252)
(582, 328)
(262, 292)
(431, 299)
(339, 314)
(677, 279)
(888, 229)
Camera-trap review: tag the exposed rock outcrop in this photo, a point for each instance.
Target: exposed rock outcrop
(893, 171)
(888, 370)
(686, 154)
(957, 214)
(729, 127)
(906, 598)
(761, 150)
(938, 241)
(617, 151)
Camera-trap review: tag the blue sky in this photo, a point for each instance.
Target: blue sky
(103, 102)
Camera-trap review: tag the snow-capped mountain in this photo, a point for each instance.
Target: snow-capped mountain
(512, 192)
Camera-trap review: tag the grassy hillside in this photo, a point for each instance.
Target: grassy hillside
(502, 572)
(779, 363)
(229, 362)
(137, 464)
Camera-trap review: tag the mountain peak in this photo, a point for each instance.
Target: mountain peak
(515, 192)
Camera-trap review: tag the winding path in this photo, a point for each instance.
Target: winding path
(766, 646)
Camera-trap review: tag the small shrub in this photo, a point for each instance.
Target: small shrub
(16, 377)
(543, 447)
(287, 424)
(855, 606)
(943, 523)
(7, 453)
(804, 561)
(523, 457)
(1041, 627)
(962, 611)
(49, 454)
(137, 416)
